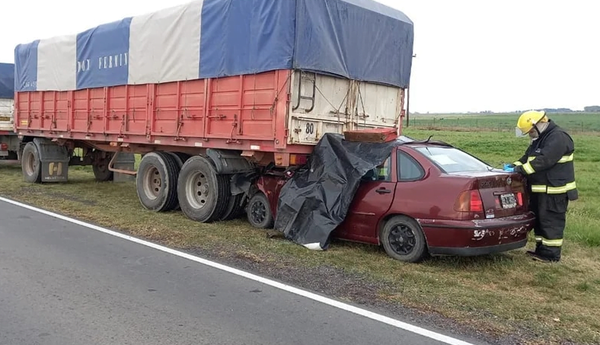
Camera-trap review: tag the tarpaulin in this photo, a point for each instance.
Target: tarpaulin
(316, 199)
(356, 39)
(7, 80)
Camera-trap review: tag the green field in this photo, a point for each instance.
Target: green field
(574, 122)
(501, 295)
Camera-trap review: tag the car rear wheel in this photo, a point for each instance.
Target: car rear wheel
(403, 239)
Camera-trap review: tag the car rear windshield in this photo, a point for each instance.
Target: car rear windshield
(452, 160)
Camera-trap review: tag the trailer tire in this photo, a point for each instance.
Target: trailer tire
(12, 156)
(31, 164)
(235, 208)
(100, 168)
(203, 194)
(259, 212)
(180, 158)
(156, 182)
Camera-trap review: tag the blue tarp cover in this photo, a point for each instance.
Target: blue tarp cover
(7, 80)
(356, 39)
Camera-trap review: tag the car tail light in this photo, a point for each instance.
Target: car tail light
(296, 159)
(475, 203)
(3, 147)
(519, 196)
(469, 201)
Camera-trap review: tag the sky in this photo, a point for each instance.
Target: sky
(471, 55)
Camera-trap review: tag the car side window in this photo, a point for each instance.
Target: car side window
(380, 173)
(408, 168)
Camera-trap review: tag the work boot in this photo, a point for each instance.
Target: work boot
(537, 257)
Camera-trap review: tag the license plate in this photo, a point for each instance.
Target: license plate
(508, 201)
(3, 153)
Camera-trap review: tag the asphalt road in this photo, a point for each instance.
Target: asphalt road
(63, 284)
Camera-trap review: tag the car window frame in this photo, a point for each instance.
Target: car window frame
(388, 178)
(412, 159)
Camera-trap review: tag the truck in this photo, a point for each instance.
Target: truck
(9, 142)
(211, 94)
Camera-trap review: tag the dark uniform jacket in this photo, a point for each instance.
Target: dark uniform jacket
(548, 163)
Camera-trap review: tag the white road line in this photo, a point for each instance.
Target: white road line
(328, 301)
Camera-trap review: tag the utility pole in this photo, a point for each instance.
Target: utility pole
(408, 105)
(408, 100)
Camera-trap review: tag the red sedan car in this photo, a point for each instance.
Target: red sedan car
(426, 198)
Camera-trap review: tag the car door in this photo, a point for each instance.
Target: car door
(371, 202)
(410, 186)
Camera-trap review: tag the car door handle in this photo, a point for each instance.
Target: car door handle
(383, 191)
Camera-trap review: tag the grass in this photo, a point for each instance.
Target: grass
(501, 295)
(574, 122)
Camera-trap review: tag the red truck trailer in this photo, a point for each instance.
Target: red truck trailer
(209, 92)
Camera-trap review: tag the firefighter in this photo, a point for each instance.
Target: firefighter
(548, 166)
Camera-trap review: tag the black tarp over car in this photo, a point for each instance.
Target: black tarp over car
(315, 200)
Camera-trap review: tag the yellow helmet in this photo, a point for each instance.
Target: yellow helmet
(527, 120)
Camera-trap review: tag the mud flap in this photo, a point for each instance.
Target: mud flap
(228, 163)
(54, 160)
(124, 161)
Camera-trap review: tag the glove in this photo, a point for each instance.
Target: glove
(519, 169)
(508, 167)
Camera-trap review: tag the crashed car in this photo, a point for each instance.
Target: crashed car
(426, 198)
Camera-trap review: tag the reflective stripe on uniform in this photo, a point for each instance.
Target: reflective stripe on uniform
(549, 243)
(517, 163)
(565, 159)
(528, 168)
(539, 188)
(552, 243)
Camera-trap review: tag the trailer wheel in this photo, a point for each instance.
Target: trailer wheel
(30, 164)
(203, 194)
(12, 156)
(180, 158)
(100, 168)
(235, 208)
(259, 212)
(156, 182)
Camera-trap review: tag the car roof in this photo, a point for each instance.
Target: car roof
(403, 139)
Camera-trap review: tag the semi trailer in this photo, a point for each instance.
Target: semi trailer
(213, 94)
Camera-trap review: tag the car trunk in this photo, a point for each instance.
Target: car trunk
(502, 194)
